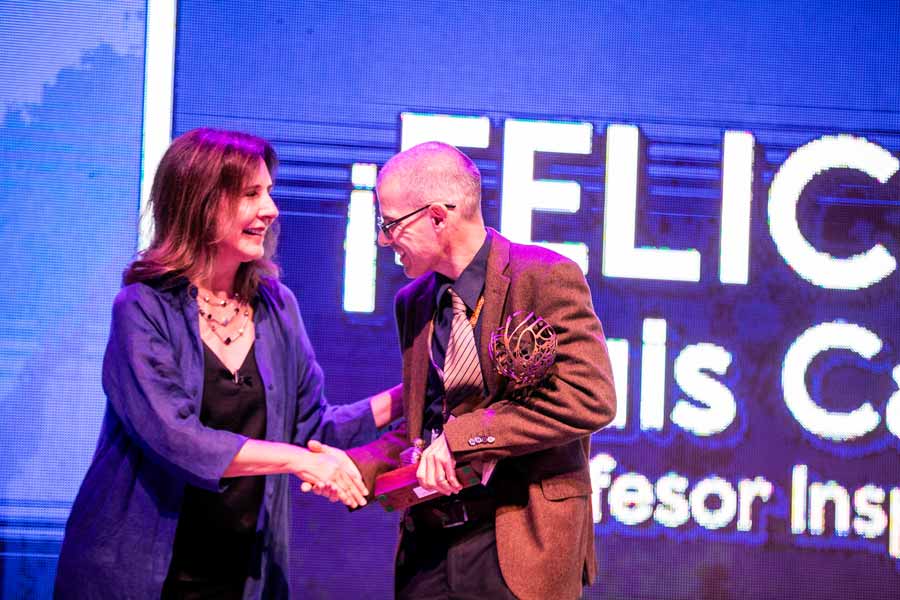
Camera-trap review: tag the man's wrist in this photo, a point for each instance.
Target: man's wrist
(452, 435)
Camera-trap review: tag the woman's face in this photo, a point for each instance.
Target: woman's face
(243, 233)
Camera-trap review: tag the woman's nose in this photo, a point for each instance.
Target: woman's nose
(268, 210)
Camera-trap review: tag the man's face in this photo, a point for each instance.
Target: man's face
(414, 239)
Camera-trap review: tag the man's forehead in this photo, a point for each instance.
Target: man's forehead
(391, 195)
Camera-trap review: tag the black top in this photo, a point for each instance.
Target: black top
(217, 531)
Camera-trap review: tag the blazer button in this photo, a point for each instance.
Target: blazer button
(491, 439)
(472, 441)
(478, 439)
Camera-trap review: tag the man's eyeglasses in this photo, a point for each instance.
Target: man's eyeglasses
(387, 227)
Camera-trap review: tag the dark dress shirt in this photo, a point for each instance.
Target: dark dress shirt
(469, 286)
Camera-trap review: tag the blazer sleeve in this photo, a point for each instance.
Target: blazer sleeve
(380, 456)
(145, 386)
(577, 397)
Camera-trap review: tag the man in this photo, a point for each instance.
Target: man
(529, 532)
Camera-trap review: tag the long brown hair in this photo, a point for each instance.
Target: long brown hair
(198, 183)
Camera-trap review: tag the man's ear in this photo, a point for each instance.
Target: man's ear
(438, 215)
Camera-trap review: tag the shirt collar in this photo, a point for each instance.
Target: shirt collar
(470, 282)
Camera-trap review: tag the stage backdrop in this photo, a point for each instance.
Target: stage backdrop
(70, 145)
(726, 174)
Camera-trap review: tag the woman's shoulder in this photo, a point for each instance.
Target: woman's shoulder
(136, 293)
(275, 293)
(149, 297)
(279, 300)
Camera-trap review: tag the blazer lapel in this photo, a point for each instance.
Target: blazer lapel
(416, 357)
(496, 286)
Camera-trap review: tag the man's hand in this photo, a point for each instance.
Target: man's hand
(437, 468)
(354, 488)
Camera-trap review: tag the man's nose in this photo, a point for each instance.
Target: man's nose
(383, 240)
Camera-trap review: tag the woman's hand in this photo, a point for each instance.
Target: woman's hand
(329, 472)
(324, 470)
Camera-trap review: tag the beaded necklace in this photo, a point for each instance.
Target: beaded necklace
(212, 320)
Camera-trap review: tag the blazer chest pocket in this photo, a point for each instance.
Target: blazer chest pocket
(568, 485)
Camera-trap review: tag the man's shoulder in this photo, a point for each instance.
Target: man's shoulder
(531, 258)
(532, 253)
(524, 255)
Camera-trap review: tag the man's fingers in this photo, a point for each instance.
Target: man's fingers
(359, 489)
(355, 477)
(420, 471)
(442, 469)
(356, 492)
(319, 489)
(340, 488)
(349, 476)
(443, 479)
(320, 448)
(439, 476)
(345, 497)
(452, 481)
(450, 468)
(430, 473)
(352, 497)
(333, 492)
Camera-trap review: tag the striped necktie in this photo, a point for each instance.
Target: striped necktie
(462, 368)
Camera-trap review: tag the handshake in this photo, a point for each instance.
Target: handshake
(329, 472)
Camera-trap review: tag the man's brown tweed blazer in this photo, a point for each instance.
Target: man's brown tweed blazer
(542, 483)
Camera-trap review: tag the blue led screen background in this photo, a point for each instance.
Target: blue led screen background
(722, 481)
(70, 144)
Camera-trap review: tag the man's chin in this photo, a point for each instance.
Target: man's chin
(411, 272)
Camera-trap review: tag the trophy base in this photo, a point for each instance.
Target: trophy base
(399, 489)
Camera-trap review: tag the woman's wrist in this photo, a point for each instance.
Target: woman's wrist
(299, 460)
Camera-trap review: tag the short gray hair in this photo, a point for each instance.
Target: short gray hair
(436, 172)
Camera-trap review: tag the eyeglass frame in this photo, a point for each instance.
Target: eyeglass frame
(386, 227)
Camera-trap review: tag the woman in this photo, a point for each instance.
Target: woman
(209, 377)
